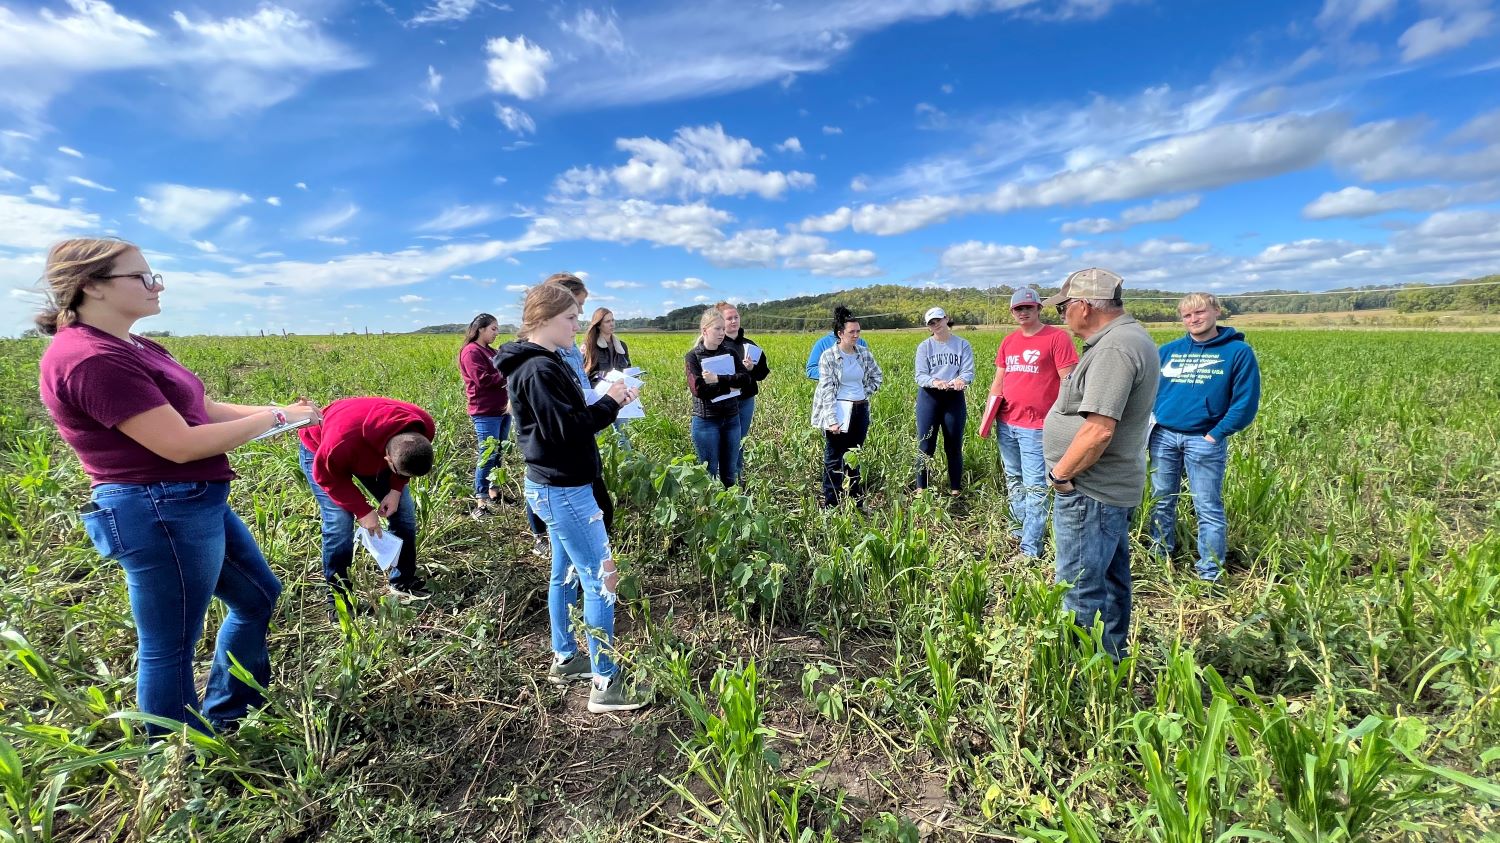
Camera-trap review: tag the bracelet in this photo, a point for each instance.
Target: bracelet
(280, 417)
(1055, 480)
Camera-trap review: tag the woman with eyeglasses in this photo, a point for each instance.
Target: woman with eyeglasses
(154, 445)
(489, 406)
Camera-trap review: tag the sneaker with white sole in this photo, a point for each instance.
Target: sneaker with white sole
(576, 668)
(542, 547)
(408, 591)
(616, 696)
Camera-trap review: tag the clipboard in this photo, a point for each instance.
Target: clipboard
(282, 428)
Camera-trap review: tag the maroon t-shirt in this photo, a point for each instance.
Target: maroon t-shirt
(91, 381)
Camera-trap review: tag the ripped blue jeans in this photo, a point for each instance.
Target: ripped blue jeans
(580, 547)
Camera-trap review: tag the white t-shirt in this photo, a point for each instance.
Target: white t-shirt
(852, 387)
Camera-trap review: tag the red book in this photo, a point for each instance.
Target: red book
(991, 410)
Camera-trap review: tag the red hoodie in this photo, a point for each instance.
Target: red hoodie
(351, 441)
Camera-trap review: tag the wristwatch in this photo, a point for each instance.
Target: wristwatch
(1055, 480)
(279, 416)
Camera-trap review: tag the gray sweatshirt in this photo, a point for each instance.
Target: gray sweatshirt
(944, 361)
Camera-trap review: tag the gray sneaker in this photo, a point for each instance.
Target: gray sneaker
(575, 668)
(616, 696)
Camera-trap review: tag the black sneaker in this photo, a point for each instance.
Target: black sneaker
(405, 592)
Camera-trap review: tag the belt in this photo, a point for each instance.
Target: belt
(860, 401)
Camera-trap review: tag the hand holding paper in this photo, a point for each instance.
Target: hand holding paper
(385, 547)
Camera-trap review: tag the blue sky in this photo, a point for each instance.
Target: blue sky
(328, 165)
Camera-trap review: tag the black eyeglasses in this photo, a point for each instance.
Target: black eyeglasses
(151, 281)
(1062, 306)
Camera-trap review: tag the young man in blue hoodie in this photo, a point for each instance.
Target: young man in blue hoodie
(1209, 391)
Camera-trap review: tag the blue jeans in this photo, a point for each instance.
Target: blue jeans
(181, 544)
(717, 442)
(945, 410)
(747, 415)
(487, 428)
(580, 548)
(338, 531)
(1025, 484)
(1204, 463)
(1093, 555)
(835, 445)
(601, 497)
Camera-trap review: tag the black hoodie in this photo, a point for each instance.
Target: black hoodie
(554, 424)
(758, 373)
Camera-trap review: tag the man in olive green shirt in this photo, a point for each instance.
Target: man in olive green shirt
(1094, 441)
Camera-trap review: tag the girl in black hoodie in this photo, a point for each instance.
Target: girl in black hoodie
(556, 428)
(716, 406)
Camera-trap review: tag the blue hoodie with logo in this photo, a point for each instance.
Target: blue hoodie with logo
(1208, 387)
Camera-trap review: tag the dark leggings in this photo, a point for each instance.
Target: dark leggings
(941, 409)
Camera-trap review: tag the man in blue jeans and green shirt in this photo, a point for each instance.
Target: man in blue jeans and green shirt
(1210, 390)
(1094, 441)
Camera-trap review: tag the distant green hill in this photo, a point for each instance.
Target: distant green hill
(897, 306)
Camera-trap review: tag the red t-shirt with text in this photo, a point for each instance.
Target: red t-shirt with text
(1031, 382)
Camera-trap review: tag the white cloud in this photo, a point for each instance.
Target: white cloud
(790, 145)
(1162, 210)
(446, 11)
(516, 288)
(410, 299)
(601, 31)
(844, 263)
(319, 226)
(515, 119)
(762, 247)
(301, 185)
(222, 66)
(832, 130)
(7, 175)
(273, 201)
(996, 262)
(1386, 151)
(859, 184)
(623, 285)
(1427, 38)
(44, 193)
(677, 51)
(459, 217)
(1345, 15)
(517, 67)
(834, 221)
(70, 151)
(693, 226)
(685, 284)
(698, 159)
(89, 183)
(27, 225)
(205, 246)
(1363, 202)
(1214, 157)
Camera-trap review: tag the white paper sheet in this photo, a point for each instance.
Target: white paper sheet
(386, 548)
(733, 393)
(633, 410)
(843, 413)
(754, 352)
(722, 364)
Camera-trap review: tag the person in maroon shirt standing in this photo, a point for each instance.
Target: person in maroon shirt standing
(489, 406)
(379, 443)
(153, 445)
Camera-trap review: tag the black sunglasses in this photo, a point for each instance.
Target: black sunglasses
(151, 281)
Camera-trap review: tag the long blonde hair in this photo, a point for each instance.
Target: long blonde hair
(543, 302)
(71, 266)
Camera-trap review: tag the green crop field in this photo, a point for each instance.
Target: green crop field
(879, 676)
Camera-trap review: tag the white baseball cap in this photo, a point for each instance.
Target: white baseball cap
(934, 313)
